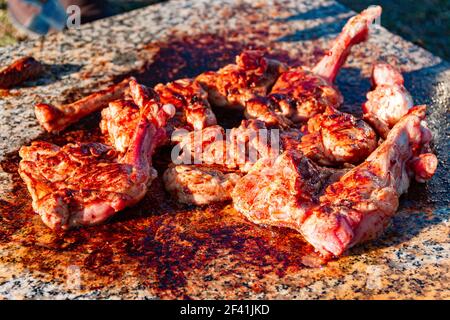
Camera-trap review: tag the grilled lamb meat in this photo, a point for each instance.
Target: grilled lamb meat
(57, 118)
(86, 183)
(20, 71)
(296, 94)
(389, 100)
(235, 84)
(185, 97)
(360, 205)
(355, 208)
(200, 184)
(237, 149)
(120, 119)
(190, 101)
(336, 137)
(300, 93)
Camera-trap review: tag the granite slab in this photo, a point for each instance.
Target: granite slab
(165, 251)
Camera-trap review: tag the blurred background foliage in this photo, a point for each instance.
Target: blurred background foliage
(425, 23)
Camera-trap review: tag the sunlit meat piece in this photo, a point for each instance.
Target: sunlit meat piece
(184, 97)
(267, 109)
(389, 100)
(200, 184)
(237, 149)
(301, 93)
(356, 208)
(119, 122)
(336, 138)
(86, 183)
(190, 101)
(279, 192)
(20, 71)
(120, 119)
(235, 84)
(57, 118)
(360, 205)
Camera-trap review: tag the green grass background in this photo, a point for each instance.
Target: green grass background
(426, 23)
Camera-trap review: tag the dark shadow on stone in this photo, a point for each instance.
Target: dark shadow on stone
(323, 30)
(354, 87)
(52, 74)
(317, 13)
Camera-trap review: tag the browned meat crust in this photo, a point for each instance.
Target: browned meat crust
(20, 71)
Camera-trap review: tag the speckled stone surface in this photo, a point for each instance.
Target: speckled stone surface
(412, 259)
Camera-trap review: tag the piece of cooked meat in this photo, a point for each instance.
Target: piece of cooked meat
(336, 137)
(360, 205)
(200, 184)
(86, 183)
(300, 93)
(57, 118)
(190, 101)
(279, 192)
(356, 208)
(20, 71)
(185, 98)
(389, 100)
(119, 122)
(266, 109)
(120, 119)
(235, 84)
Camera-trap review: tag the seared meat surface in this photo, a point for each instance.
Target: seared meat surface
(336, 138)
(120, 119)
(279, 193)
(119, 122)
(281, 167)
(388, 101)
(360, 205)
(81, 184)
(200, 184)
(238, 148)
(235, 84)
(190, 101)
(19, 71)
(86, 183)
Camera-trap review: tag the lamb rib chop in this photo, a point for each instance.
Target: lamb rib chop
(189, 99)
(57, 118)
(336, 138)
(185, 97)
(270, 92)
(301, 93)
(86, 183)
(235, 84)
(389, 100)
